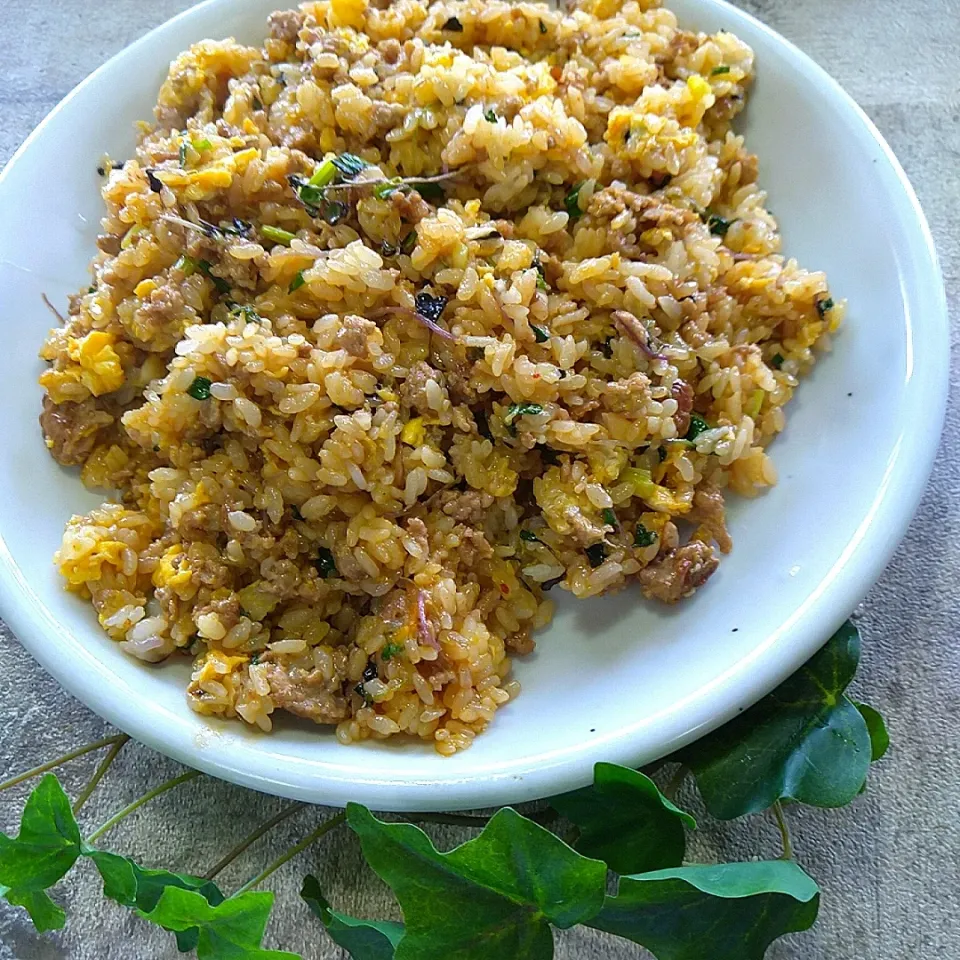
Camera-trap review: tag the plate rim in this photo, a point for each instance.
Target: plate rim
(861, 564)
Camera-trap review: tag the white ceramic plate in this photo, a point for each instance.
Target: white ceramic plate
(612, 679)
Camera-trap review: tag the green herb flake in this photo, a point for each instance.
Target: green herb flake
(200, 388)
(719, 71)
(521, 410)
(824, 306)
(718, 225)
(325, 564)
(277, 235)
(572, 202)
(297, 282)
(542, 282)
(643, 537)
(529, 536)
(540, 335)
(661, 454)
(334, 212)
(349, 164)
(777, 361)
(219, 282)
(490, 116)
(697, 426)
(384, 190)
(543, 27)
(609, 517)
(202, 144)
(596, 554)
(390, 650)
(187, 265)
(431, 191)
(182, 153)
(408, 242)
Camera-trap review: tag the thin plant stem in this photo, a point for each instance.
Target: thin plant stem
(784, 831)
(72, 755)
(155, 792)
(98, 773)
(289, 854)
(252, 838)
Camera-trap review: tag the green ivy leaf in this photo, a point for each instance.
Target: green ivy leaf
(362, 939)
(626, 821)
(732, 911)
(231, 930)
(133, 886)
(494, 896)
(44, 913)
(48, 843)
(805, 741)
(879, 738)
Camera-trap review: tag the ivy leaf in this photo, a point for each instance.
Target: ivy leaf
(494, 896)
(732, 911)
(44, 913)
(805, 741)
(48, 843)
(626, 821)
(133, 886)
(362, 939)
(879, 738)
(231, 930)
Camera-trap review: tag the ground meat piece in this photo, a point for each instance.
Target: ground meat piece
(473, 546)
(418, 531)
(709, 510)
(390, 50)
(71, 429)
(414, 388)
(471, 506)
(154, 325)
(285, 25)
(677, 574)
(636, 332)
(200, 523)
(437, 672)
(460, 386)
(109, 244)
(584, 530)
(307, 694)
(520, 643)
(629, 396)
(227, 609)
(411, 206)
(394, 608)
(682, 392)
(353, 334)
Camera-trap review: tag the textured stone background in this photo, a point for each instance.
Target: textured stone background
(888, 865)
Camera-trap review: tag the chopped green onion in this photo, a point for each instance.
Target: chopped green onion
(490, 116)
(643, 537)
(182, 153)
(92, 289)
(431, 191)
(539, 333)
(529, 536)
(383, 190)
(186, 264)
(277, 235)
(349, 164)
(543, 27)
(718, 71)
(825, 306)
(718, 225)
(325, 564)
(324, 175)
(596, 554)
(202, 144)
(519, 410)
(408, 242)
(390, 650)
(453, 25)
(572, 202)
(387, 249)
(297, 282)
(200, 388)
(334, 212)
(697, 426)
(661, 454)
(777, 361)
(609, 517)
(219, 282)
(755, 403)
(295, 510)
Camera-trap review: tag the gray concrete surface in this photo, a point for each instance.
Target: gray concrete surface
(888, 865)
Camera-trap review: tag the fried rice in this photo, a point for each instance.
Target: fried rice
(403, 320)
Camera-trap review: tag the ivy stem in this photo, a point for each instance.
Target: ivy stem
(252, 838)
(99, 772)
(784, 831)
(289, 854)
(127, 810)
(72, 755)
